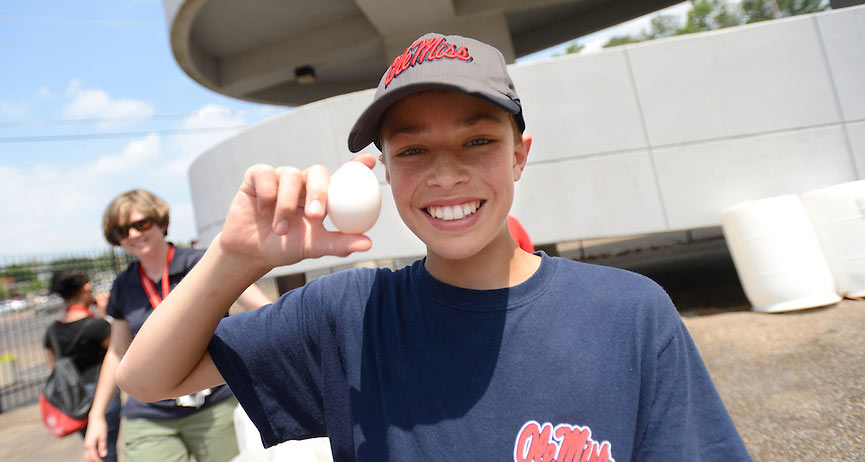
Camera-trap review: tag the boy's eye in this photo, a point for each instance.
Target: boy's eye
(410, 151)
(479, 142)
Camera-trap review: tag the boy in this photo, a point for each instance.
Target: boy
(480, 351)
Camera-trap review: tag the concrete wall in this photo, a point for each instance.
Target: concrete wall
(645, 138)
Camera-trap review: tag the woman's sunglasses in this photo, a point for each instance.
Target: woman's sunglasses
(119, 233)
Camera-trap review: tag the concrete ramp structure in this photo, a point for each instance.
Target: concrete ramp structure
(295, 52)
(652, 137)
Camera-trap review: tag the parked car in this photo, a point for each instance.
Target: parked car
(47, 303)
(13, 305)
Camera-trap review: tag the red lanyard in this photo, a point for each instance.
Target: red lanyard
(79, 308)
(149, 288)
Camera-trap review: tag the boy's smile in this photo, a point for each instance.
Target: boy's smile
(452, 160)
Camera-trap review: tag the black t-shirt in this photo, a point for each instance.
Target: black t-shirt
(87, 352)
(128, 302)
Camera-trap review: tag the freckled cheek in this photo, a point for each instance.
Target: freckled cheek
(401, 189)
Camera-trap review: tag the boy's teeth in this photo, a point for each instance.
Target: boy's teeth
(454, 212)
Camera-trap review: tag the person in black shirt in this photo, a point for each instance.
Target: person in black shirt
(84, 338)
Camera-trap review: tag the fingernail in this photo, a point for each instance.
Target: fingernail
(315, 207)
(281, 227)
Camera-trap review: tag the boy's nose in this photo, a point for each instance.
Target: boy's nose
(446, 171)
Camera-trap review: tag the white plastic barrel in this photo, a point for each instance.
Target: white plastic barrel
(777, 255)
(838, 215)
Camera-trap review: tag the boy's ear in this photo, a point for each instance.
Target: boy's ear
(386, 172)
(521, 155)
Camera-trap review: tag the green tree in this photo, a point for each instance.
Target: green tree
(574, 48)
(617, 40)
(711, 14)
(795, 7)
(571, 49)
(21, 278)
(660, 26)
(763, 10)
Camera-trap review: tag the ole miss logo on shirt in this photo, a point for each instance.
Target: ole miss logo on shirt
(563, 443)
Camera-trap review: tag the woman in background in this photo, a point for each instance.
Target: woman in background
(200, 424)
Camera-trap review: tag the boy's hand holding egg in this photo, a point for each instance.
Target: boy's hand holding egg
(353, 198)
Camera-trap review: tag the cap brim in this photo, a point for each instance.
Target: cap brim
(365, 130)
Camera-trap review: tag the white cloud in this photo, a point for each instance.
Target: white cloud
(95, 103)
(14, 110)
(135, 156)
(44, 93)
(46, 210)
(49, 210)
(182, 225)
(187, 148)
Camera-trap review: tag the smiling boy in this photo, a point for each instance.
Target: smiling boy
(479, 351)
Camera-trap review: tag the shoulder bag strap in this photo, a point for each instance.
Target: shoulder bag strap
(56, 343)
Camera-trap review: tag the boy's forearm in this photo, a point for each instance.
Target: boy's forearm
(174, 339)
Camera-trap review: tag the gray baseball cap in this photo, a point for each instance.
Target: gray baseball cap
(448, 62)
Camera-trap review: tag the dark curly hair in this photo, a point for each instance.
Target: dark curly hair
(67, 283)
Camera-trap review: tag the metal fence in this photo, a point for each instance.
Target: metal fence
(27, 309)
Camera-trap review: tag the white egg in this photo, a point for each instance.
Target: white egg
(353, 198)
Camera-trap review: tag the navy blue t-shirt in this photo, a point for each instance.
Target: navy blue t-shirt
(579, 362)
(129, 302)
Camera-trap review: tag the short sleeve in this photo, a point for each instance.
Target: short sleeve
(270, 359)
(46, 341)
(686, 418)
(113, 307)
(99, 330)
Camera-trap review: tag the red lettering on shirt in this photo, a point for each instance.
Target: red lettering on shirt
(564, 443)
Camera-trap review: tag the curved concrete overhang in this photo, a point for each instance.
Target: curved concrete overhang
(653, 137)
(255, 49)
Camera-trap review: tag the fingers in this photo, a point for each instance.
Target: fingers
(261, 183)
(317, 180)
(288, 197)
(307, 189)
(101, 300)
(283, 190)
(95, 451)
(367, 159)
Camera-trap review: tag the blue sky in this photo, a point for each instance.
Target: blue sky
(77, 74)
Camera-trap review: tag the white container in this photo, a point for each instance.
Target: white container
(838, 215)
(252, 450)
(779, 260)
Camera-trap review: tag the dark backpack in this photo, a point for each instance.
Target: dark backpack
(64, 401)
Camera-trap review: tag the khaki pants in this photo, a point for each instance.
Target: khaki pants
(208, 435)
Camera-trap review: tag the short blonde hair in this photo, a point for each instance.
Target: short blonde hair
(145, 201)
